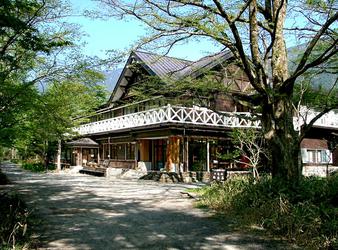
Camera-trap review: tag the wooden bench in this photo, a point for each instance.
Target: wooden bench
(96, 171)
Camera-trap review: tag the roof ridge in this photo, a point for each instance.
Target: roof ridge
(172, 57)
(214, 54)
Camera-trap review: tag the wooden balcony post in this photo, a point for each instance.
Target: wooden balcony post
(186, 154)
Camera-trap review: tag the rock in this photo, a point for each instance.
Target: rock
(141, 166)
(75, 169)
(114, 172)
(133, 174)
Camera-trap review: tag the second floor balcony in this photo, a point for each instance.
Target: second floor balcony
(172, 114)
(328, 120)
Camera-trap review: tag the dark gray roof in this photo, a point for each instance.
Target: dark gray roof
(204, 64)
(83, 142)
(167, 67)
(164, 66)
(161, 66)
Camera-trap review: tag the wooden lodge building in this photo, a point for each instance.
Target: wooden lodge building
(176, 133)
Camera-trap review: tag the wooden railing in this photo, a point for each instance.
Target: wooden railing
(171, 114)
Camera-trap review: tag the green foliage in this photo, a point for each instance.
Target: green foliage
(27, 36)
(306, 214)
(16, 161)
(229, 156)
(197, 166)
(187, 91)
(37, 167)
(45, 81)
(13, 222)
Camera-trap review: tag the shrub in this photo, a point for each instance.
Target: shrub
(306, 214)
(13, 221)
(16, 161)
(37, 167)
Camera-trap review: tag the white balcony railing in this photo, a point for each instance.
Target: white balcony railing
(328, 120)
(171, 114)
(196, 116)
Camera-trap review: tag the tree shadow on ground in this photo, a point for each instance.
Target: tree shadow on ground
(93, 213)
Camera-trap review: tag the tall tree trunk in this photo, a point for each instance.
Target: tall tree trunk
(45, 154)
(282, 139)
(277, 114)
(58, 157)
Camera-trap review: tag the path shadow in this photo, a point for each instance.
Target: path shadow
(93, 213)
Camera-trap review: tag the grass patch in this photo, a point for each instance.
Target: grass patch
(37, 167)
(16, 161)
(306, 215)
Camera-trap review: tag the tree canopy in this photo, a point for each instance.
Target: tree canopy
(45, 80)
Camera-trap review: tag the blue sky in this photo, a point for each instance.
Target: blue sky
(103, 35)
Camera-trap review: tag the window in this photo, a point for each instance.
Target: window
(130, 151)
(316, 156)
(325, 156)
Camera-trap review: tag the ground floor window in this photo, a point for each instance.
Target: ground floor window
(119, 151)
(89, 155)
(130, 151)
(320, 156)
(198, 155)
(221, 154)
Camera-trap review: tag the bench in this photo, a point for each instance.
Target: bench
(96, 171)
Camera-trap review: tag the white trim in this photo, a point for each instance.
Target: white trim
(171, 114)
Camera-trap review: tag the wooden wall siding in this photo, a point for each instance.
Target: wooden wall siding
(224, 103)
(144, 150)
(335, 157)
(173, 153)
(314, 143)
(131, 164)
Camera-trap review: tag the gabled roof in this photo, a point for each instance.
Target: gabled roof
(159, 65)
(86, 142)
(204, 64)
(167, 67)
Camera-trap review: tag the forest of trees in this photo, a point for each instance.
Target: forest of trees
(46, 81)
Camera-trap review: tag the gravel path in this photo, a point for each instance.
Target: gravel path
(86, 212)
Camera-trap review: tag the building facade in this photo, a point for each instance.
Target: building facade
(177, 133)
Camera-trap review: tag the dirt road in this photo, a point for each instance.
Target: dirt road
(86, 212)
